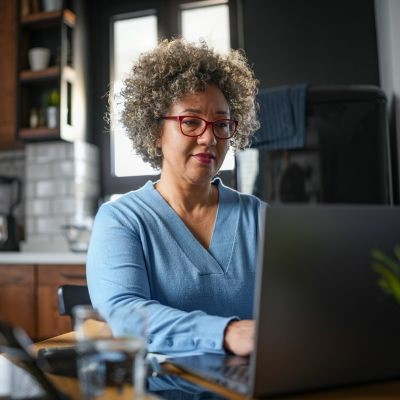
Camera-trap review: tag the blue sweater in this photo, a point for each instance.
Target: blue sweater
(141, 254)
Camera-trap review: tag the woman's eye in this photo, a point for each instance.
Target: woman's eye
(221, 124)
(191, 122)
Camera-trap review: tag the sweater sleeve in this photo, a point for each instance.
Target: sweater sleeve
(118, 280)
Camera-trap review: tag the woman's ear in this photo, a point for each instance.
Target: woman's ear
(158, 148)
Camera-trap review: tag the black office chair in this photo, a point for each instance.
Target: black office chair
(70, 296)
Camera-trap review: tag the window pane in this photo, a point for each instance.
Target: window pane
(210, 23)
(131, 37)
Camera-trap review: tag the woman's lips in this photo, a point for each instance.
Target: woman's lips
(204, 158)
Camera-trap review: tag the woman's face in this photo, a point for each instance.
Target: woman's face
(196, 160)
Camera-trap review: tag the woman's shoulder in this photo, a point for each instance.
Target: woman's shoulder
(137, 195)
(244, 199)
(130, 203)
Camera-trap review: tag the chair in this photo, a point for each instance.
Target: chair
(70, 296)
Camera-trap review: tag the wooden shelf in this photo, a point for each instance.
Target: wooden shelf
(38, 133)
(53, 30)
(49, 17)
(29, 75)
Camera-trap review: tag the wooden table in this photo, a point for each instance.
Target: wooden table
(70, 386)
(382, 391)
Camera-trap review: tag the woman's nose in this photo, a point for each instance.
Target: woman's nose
(207, 137)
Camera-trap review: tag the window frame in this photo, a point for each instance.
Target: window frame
(100, 31)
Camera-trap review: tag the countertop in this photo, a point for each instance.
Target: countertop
(16, 257)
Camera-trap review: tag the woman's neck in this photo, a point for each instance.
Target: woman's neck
(187, 197)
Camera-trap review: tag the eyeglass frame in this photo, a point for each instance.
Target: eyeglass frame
(181, 117)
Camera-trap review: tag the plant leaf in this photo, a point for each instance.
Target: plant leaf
(391, 279)
(389, 262)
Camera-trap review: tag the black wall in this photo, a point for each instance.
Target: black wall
(314, 41)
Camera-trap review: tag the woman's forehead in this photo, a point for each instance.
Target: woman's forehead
(210, 99)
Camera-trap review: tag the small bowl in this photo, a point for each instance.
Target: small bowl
(78, 237)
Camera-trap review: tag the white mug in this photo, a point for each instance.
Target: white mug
(39, 58)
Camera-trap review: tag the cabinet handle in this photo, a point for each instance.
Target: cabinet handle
(73, 276)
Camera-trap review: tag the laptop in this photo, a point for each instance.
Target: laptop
(327, 304)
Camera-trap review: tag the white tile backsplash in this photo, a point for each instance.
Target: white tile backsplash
(62, 187)
(38, 206)
(30, 152)
(29, 190)
(50, 225)
(49, 243)
(64, 205)
(63, 168)
(47, 152)
(30, 226)
(51, 188)
(38, 171)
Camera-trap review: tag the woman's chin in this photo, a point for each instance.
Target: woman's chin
(202, 177)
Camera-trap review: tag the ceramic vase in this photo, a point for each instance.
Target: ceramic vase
(52, 117)
(39, 58)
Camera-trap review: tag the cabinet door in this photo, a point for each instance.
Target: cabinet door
(8, 74)
(17, 296)
(50, 277)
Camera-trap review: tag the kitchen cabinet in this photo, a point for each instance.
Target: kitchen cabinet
(50, 277)
(45, 84)
(28, 297)
(17, 296)
(8, 73)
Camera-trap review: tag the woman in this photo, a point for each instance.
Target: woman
(184, 247)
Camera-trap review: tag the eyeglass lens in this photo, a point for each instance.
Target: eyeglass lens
(192, 126)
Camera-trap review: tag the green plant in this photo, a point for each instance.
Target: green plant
(389, 270)
(52, 98)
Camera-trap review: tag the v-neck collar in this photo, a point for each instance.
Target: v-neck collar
(215, 259)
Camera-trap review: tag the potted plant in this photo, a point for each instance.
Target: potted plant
(52, 105)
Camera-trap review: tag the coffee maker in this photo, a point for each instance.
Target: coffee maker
(10, 197)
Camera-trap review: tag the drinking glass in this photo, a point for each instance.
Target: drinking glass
(104, 360)
(135, 331)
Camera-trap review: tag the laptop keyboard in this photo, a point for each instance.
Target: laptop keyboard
(238, 373)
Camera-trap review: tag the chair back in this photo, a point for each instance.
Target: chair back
(70, 296)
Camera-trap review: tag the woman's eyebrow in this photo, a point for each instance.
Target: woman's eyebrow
(193, 110)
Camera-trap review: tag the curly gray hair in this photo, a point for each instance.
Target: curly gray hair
(174, 69)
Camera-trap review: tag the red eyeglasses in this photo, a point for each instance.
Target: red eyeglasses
(195, 126)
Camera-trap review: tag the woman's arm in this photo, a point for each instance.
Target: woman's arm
(118, 280)
(239, 337)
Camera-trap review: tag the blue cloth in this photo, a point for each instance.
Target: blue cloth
(141, 254)
(282, 118)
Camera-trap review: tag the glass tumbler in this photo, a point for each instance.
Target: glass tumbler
(90, 327)
(106, 362)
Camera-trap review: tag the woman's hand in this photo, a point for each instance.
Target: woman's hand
(239, 337)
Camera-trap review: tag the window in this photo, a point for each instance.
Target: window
(116, 43)
(209, 20)
(132, 35)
